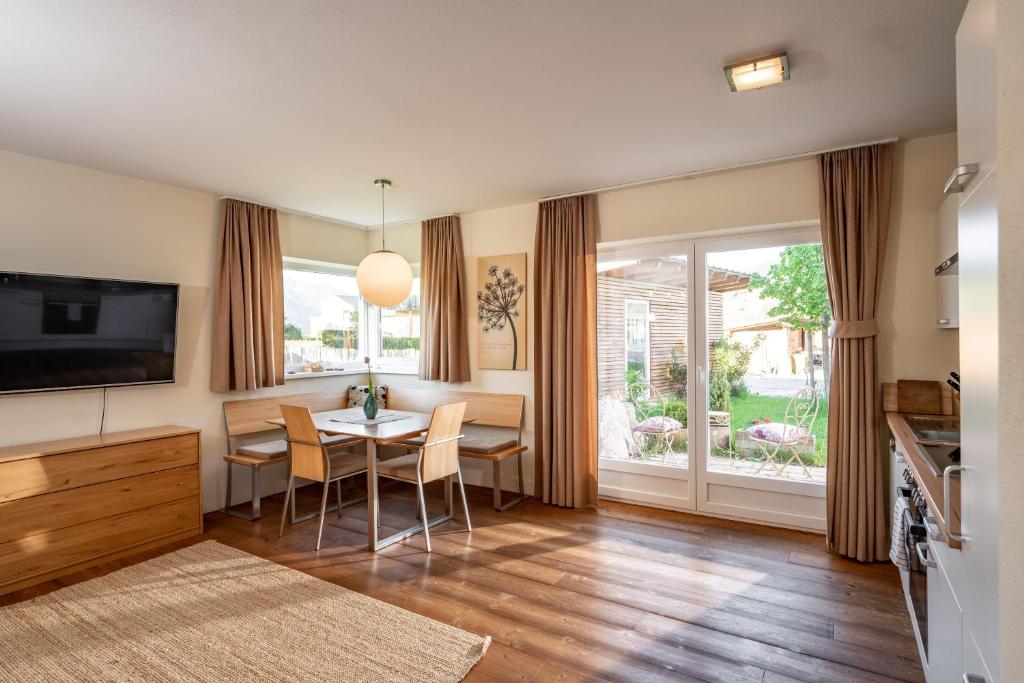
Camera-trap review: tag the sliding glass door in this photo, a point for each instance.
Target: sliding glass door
(745, 434)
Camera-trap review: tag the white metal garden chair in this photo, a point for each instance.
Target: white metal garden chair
(794, 436)
(652, 424)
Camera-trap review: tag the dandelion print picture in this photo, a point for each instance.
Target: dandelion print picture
(501, 312)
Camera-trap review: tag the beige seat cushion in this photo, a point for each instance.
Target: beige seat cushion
(279, 447)
(265, 449)
(402, 467)
(480, 439)
(343, 464)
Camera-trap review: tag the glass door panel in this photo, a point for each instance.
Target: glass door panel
(764, 366)
(644, 327)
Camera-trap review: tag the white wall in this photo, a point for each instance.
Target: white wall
(62, 219)
(1010, 162)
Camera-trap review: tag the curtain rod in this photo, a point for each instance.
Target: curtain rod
(296, 212)
(719, 169)
(608, 188)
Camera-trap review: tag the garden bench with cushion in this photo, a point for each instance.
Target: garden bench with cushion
(254, 443)
(494, 431)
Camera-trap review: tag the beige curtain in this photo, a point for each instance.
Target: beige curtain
(565, 352)
(248, 332)
(444, 346)
(855, 193)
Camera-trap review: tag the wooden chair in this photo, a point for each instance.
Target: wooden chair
(245, 421)
(311, 459)
(437, 458)
(494, 434)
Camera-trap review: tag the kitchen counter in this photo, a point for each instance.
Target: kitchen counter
(928, 481)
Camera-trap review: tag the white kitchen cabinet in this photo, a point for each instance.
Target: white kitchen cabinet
(945, 627)
(976, 583)
(947, 279)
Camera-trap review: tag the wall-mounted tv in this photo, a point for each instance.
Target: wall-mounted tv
(75, 332)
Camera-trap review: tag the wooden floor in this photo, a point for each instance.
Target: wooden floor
(625, 593)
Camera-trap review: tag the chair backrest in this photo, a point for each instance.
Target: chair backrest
(304, 443)
(441, 446)
(250, 415)
(802, 411)
(486, 409)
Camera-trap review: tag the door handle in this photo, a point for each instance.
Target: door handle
(702, 375)
(959, 538)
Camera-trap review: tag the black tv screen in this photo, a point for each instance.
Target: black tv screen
(75, 332)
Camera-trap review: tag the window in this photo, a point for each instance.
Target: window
(638, 336)
(327, 322)
(399, 326)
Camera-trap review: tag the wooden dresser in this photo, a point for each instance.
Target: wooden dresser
(68, 504)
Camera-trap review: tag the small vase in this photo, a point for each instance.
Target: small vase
(370, 407)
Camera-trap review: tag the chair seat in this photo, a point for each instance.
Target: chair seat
(344, 464)
(479, 439)
(402, 467)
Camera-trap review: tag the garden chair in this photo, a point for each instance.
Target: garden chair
(653, 423)
(794, 436)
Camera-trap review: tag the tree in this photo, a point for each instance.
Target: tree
(498, 304)
(292, 331)
(797, 283)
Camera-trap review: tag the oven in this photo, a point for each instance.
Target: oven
(915, 544)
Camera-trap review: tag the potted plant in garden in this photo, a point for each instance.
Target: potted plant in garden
(370, 404)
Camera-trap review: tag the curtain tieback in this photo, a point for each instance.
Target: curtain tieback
(854, 329)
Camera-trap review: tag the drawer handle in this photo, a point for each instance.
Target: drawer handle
(921, 548)
(959, 538)
(181, 483)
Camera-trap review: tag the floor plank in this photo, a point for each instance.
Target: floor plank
(620, 594)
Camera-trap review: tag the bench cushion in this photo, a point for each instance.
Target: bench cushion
(480, 439)
(265, 449)
(279, 447)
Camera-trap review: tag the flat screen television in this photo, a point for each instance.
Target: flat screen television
(75, 333)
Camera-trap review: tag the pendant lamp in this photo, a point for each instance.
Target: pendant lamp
(384, 277)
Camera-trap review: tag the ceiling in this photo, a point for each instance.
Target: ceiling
(465, 105)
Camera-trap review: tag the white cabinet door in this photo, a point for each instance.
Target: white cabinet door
(980, 375)
(945, 629)
(976, 86)
(973, 664)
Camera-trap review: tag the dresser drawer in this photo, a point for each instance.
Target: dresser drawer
(30, 516)
(36, 476)
(25, 558)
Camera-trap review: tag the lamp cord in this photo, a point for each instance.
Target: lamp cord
(103, 414)
(382, 245)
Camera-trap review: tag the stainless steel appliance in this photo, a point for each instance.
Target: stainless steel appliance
(915, 544)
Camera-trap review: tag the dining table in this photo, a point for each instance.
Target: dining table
(386, 428)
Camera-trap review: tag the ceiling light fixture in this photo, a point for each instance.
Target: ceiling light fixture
(384, 278)
(758, 73)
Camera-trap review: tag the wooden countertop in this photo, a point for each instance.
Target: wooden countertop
(929, 483)
(43, 448)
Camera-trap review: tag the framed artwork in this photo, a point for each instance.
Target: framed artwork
(501, 312)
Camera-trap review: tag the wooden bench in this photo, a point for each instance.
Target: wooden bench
(494, 431)
(248, 418)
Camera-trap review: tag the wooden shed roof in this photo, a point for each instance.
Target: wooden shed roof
(672, 272)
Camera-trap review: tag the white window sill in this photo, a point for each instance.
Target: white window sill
(397, 371)
(325, 373)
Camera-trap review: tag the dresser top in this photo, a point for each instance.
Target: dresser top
(80, 443)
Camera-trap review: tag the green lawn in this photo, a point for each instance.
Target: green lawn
(755, 406)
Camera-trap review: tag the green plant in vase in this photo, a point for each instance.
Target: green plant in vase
(370, 404)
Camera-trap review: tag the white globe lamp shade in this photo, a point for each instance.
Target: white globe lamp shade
(384, 278)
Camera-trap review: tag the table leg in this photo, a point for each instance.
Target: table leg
(371, 494)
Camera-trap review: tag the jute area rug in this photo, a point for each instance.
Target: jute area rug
(212, 613)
